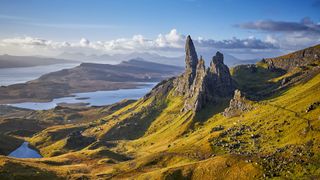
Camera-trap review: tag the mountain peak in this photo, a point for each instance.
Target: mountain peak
(191, 55)
(218, 58)
(201, 86)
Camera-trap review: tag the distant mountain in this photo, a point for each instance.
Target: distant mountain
(152, 57)
(8, 61)
(88, 77)
(117, 58)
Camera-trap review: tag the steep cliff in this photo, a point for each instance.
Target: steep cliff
(200, 85)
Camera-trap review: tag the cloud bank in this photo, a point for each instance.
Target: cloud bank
(163, 43)
(287, 35)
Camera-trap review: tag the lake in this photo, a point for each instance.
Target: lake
(24, 152)
(98, 98)
(10, 76)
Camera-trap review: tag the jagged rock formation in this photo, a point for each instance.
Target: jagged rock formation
(191, 60)
(292, 60)
(219, 78)
(238, 105)
(199, 85)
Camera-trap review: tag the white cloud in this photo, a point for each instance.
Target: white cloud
(84, 42)
(172, 39)
(271, 39)
(168, 43)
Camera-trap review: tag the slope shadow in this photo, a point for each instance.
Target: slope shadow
(211, 109)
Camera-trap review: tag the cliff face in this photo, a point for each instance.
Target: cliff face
(295, 59)
(200, 85)
(191, 61)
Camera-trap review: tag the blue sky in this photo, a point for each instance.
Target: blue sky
(107, 20)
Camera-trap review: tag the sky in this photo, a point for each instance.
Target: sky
(242, 28)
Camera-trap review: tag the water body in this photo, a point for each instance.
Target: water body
(25, 152)
(98, 98)
(10, 76)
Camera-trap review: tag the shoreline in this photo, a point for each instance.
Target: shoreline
(130, 85)
(75, 95)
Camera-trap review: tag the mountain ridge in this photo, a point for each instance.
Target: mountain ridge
(9, 61)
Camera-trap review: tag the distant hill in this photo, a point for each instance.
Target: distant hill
(8, 61)
(117, 58)
(88, 77)
(151, 57)
(135, 70)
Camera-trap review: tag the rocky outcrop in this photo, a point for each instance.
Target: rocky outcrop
(200, 85)
(191, 60)
(299, 58)
(219, 78)
(238, 105)
(198, 94)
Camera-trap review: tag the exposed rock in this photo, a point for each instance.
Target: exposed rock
(237, 105)
(313, 106)
(186, 79)
(298, 58)
(217, 128)
(201, 86)
(219, 78)
(198, 94)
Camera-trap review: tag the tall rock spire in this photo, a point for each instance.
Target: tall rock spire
(191, 56)
(220, 79)
(191, 61)
(200, 86)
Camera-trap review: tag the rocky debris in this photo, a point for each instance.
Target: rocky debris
(299, 58)
(231, 140)
(76, 140)
(313, 106)
(279, 163)
(238, 105)
(242, 140)
(200, 85)
(217, 128)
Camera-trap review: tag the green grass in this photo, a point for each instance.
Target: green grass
(257, 82)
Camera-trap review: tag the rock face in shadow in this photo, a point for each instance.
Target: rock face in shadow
(200, 85)
(219, 78)
(238, 105)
